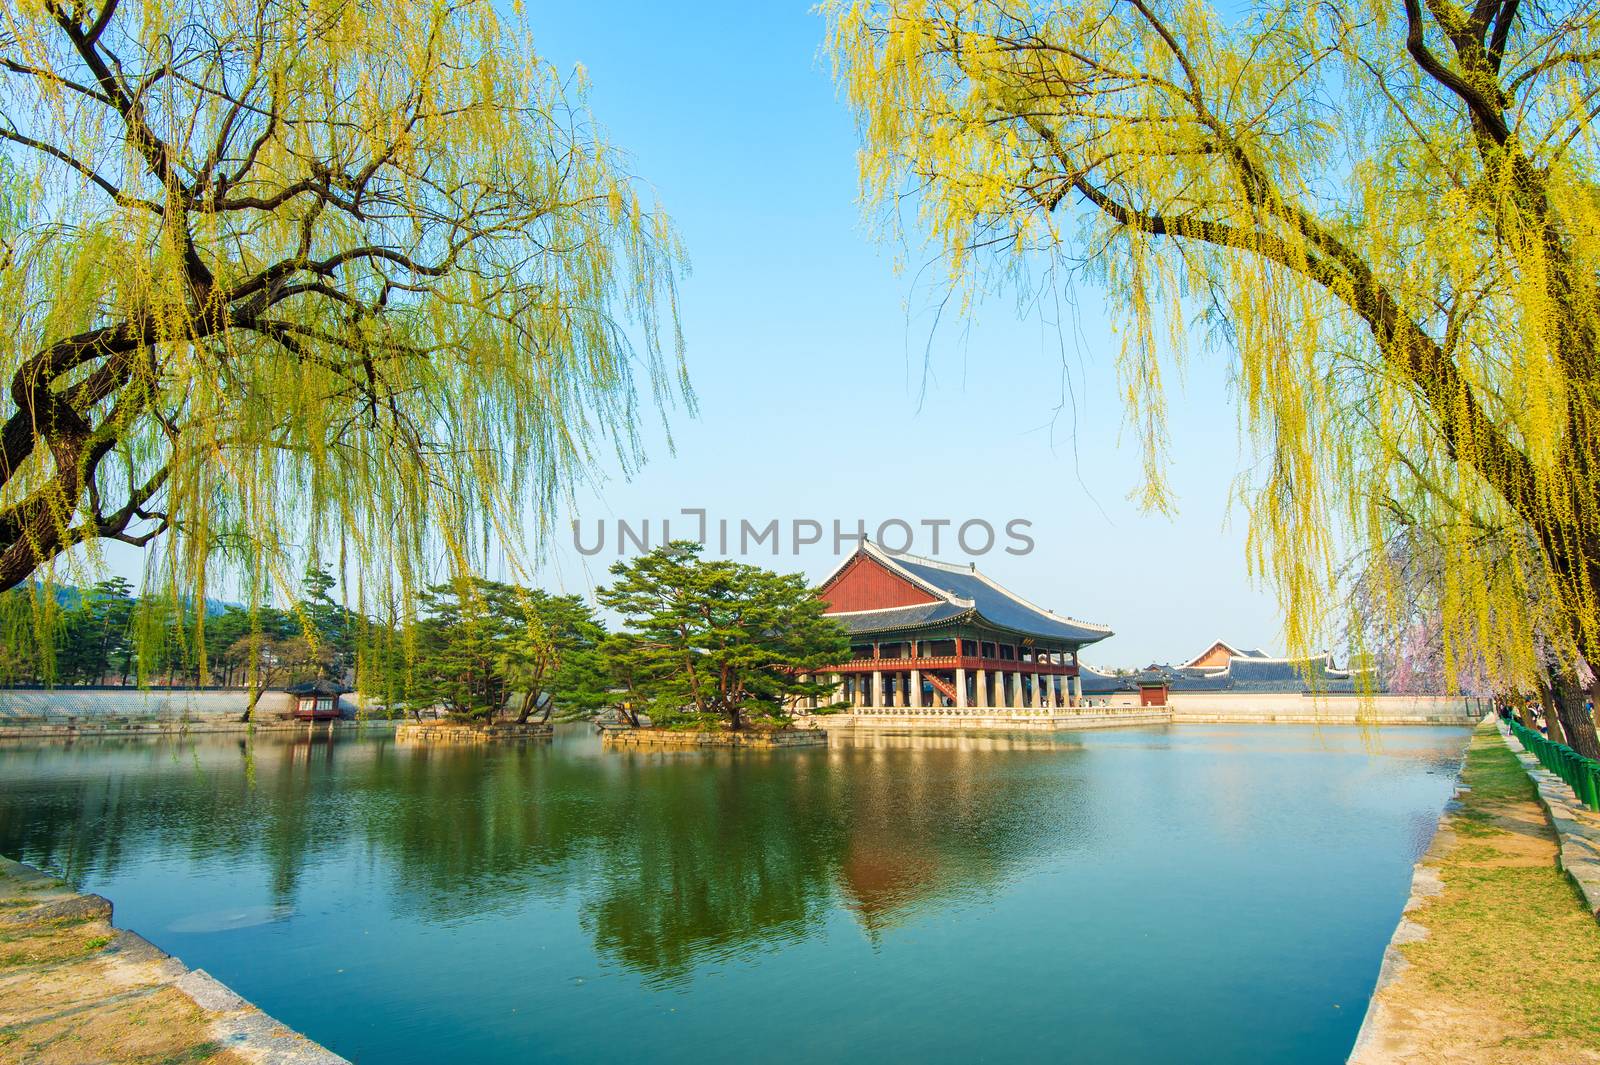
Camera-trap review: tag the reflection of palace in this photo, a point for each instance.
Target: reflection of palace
(928, 634)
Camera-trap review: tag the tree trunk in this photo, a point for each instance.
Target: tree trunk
(1547, 700)
(1575, 719)
(250, 707)
(529, 701)
(1557, 733)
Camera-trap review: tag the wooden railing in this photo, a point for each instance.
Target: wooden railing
(997, 711)
(999, 665)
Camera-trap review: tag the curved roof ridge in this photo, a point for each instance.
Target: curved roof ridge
(1323, 655)
(923, 561)
(876, 610)
(985, 578)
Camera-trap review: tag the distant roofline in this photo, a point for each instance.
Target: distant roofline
(1246, 654)
(1232, 650)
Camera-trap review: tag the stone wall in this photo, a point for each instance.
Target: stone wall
(1244, 708)
(152, 704)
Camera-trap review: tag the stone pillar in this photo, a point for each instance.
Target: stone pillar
(877, 688)
(999, 689)
(902, 681)
(1077, 691)
(1038, 691)
(961, 688)
(916, 688)
(983, 689)
(1018, 696)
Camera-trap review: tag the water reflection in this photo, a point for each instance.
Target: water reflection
(672, 860)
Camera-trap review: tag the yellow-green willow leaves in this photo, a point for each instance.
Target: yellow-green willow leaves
(1390, 214)
(282, 277)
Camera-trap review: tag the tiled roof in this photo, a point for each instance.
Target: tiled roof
(1095, 682)
(964, 586)
(1262, 675)
(902, 617)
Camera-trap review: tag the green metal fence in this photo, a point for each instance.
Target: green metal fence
(1581, 774)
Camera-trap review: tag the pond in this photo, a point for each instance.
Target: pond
(1196, 893)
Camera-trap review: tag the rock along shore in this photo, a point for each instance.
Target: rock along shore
(668, 739)
(75, 989)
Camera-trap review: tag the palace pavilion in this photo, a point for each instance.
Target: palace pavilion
(927, 634)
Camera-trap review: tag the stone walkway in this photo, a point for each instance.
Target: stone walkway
(1497, 958)
(76, 991)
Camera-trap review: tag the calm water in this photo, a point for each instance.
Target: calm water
(1197, 894)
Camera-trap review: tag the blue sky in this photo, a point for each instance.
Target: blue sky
(807, 351)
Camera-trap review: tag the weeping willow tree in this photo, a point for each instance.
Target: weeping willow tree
(280, 277)
(1390, 215)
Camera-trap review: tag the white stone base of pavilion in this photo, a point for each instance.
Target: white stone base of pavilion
(976, 719)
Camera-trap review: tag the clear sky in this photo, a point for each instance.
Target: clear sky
(827, 394)
(825, 391)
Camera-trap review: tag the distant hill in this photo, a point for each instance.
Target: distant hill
(68, 596)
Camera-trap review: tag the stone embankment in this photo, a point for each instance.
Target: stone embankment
(74, 989)
(647, 738)
(45, 730)
(455, 732)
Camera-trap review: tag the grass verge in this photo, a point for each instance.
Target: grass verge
(1509, 934)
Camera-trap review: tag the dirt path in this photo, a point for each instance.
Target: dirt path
(1501, 959)
(76, 991)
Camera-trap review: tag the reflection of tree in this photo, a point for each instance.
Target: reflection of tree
(715, 861)
(469, 829)
(82, 811)
(677, 859)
